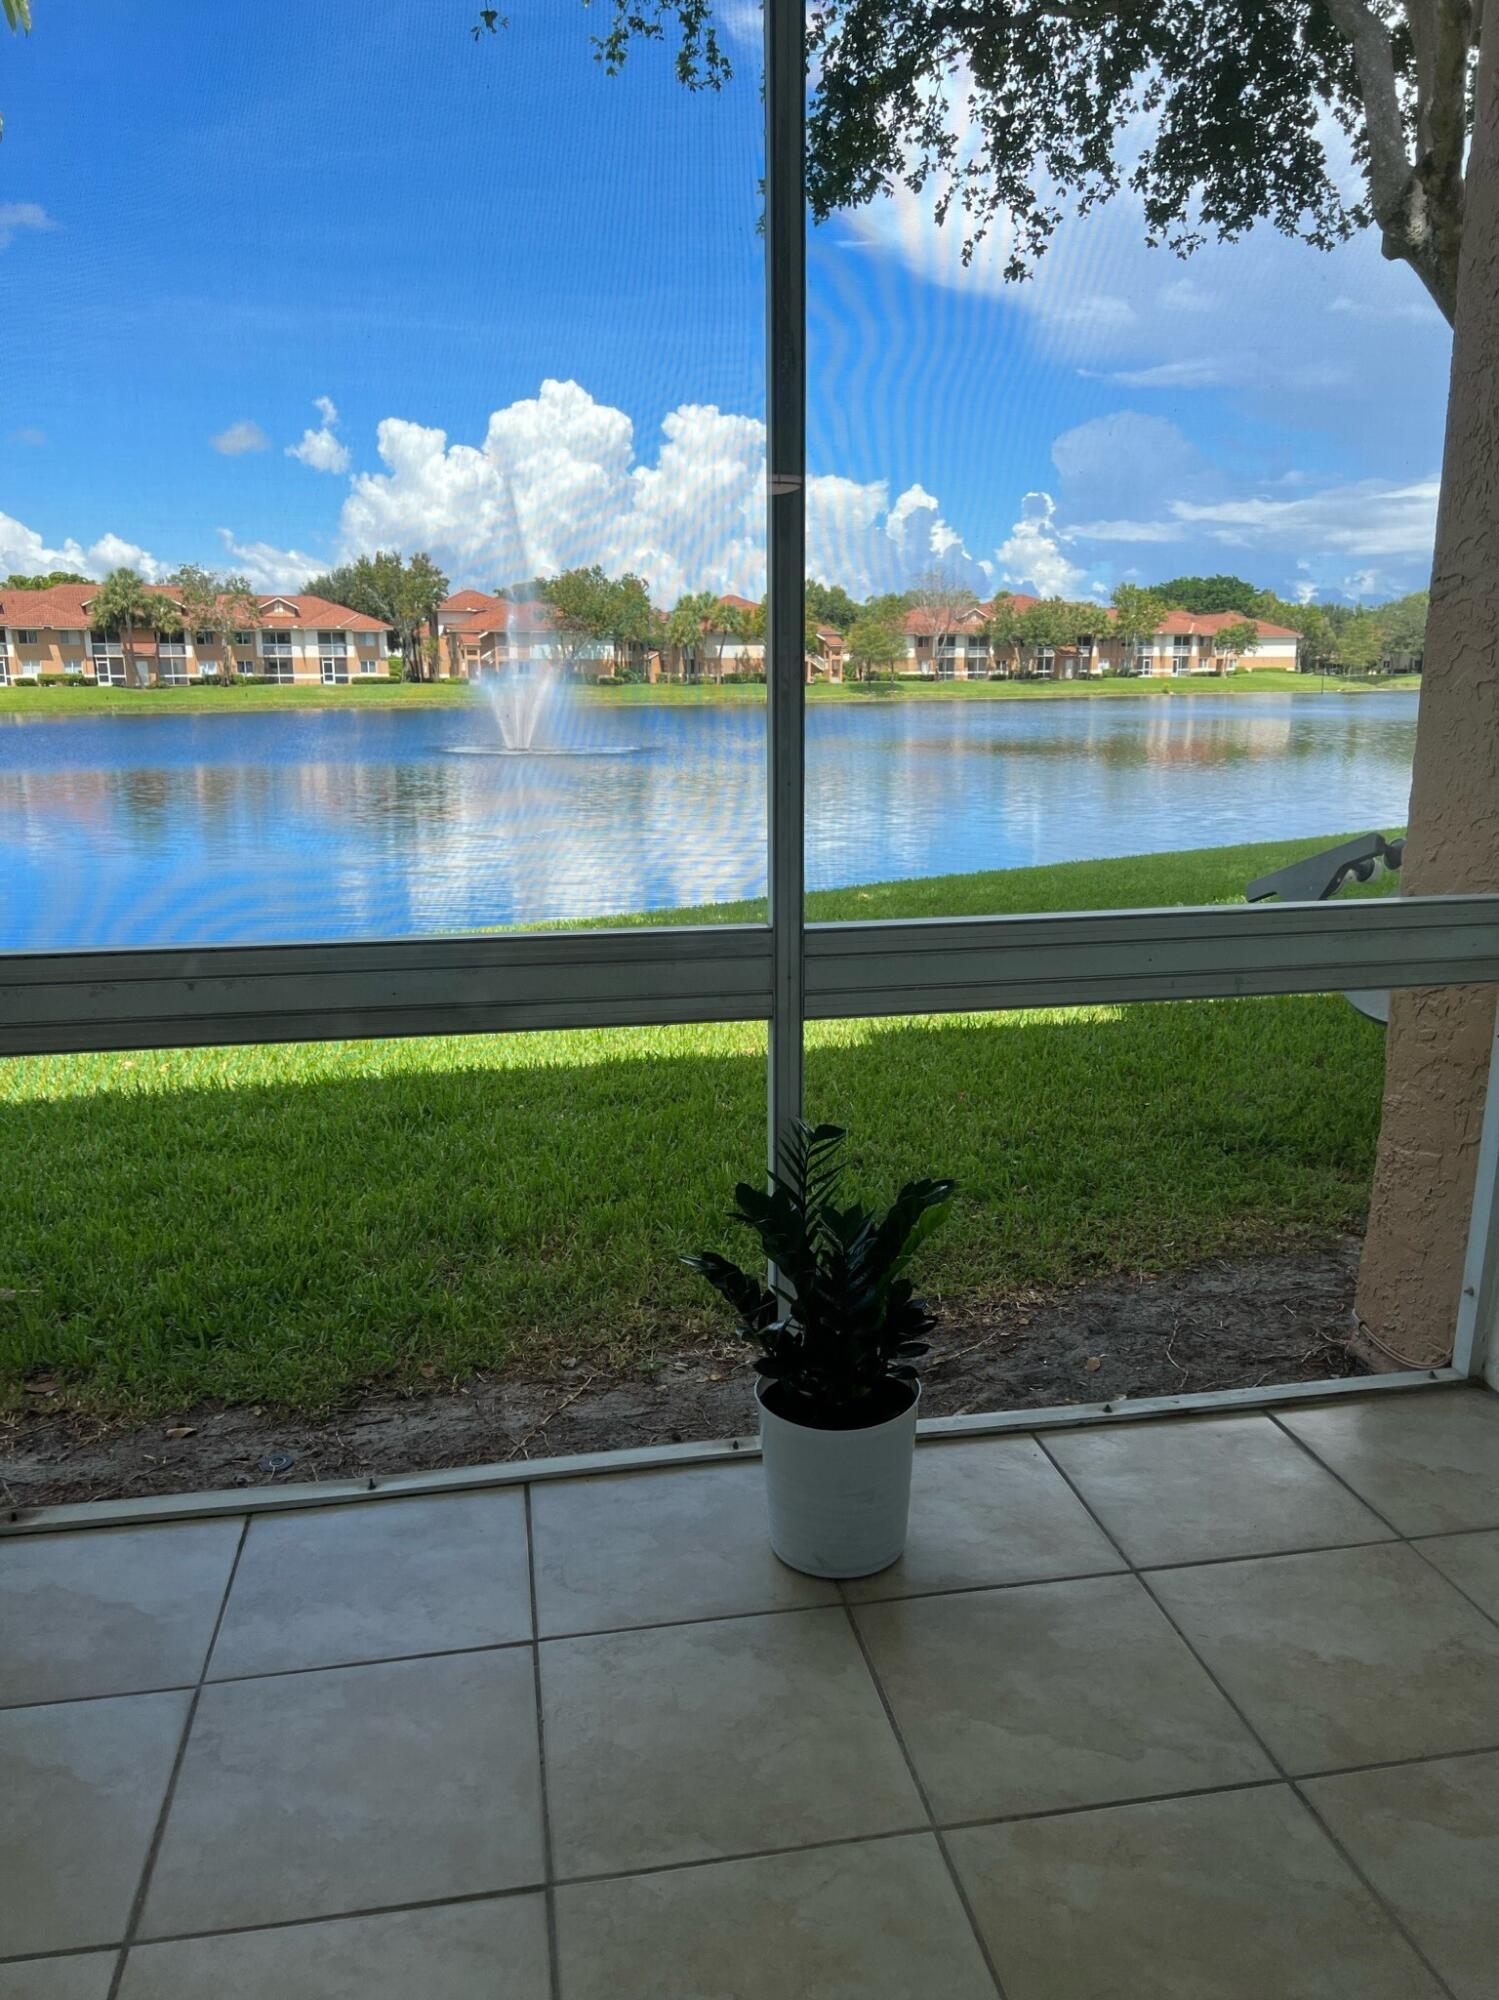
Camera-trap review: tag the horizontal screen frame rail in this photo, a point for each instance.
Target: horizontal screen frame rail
(507, 982)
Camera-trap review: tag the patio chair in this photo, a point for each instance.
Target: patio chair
(1323, 875)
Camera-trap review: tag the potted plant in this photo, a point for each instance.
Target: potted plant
(838, 1339)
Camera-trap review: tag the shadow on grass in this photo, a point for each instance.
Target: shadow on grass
(254, 1239)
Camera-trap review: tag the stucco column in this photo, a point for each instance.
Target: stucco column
(1437, 1062)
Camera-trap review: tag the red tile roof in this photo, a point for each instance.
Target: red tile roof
(66, 608)
(474, 613)
(1203, 624)
(469, 600)
(314, 612)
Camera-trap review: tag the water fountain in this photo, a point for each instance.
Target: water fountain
(537, 715)
(521, 704)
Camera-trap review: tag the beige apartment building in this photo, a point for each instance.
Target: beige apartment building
(951, 646)
(47, 634)
(482, 636)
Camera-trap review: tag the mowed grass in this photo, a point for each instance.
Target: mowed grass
(384, 693)
(190, 699)
(283, 1225)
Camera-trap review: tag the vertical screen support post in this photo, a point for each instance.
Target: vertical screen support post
(1475, 1347)
(786, 438)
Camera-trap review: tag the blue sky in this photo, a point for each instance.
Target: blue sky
(531, 297)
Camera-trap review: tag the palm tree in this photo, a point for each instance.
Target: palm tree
(124, 604)
(18, 14)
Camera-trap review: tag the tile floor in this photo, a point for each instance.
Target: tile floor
(1195, 1710)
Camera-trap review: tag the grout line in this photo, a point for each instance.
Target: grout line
(1452, 1534)
(1461, 1589)
(288, 1923)
(554, 1961)
(138, 1903)
(959, 1890)
(1413, 1542)
(1264, 1555)
(1333, 1473)
(435, 1653)
(1266, 1750)
(1272, 1783)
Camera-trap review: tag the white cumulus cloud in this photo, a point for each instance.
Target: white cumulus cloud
(322, 448)
(266, 567)
(239, 438)
(23, 551)
(1032, 558)
(18, 215)
(559, 480)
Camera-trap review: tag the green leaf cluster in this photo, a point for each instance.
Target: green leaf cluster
(845, 1323)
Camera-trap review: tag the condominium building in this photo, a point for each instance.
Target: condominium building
(481, 635)
(47, 634)
(950, 644)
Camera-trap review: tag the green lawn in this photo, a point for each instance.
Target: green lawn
(1263, 680)
(240, 700)
(384, 693)
(283, 1224)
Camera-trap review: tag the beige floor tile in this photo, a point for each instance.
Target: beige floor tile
(1429, 1462)
(1221, 1486)
(311, 1794)
(110, 1610)
(648, 1547)
(463, 1951)
(81, 1785)
(1427, 1836)
(1055, 1694)
(879, 1921)
(694, 1742)
(84, 1978)
(376, 1581)
(1347, 1656)
(1471, 1562)
(1234, 1896)
(990, 1511)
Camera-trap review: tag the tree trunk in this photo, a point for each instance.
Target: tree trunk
(1436, 1065)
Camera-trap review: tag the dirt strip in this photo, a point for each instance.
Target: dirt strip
(1223, 1325)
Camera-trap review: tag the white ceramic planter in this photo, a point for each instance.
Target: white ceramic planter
(838, 1499)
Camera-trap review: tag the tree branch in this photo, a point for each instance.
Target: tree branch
(1389, 163)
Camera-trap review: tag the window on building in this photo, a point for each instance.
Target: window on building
(28, 635)
(244, 638)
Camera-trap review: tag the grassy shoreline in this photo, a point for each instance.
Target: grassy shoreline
(190, 700)
(285, 1225)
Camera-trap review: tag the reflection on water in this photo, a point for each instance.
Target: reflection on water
(336, 824)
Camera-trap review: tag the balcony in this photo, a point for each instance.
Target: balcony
(1202, 1707)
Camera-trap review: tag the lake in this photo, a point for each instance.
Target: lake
(337, 823)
